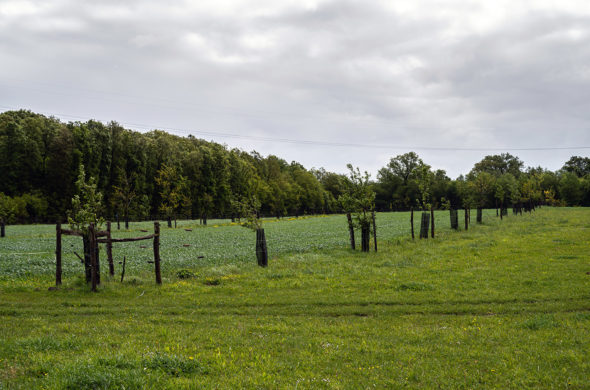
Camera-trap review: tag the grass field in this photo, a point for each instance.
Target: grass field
(503, 305)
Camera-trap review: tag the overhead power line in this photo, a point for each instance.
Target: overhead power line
(186, 132)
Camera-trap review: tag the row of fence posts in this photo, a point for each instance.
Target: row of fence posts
(427, 221)
(91, 260)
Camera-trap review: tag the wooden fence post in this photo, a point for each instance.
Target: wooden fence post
(431, 222)
(157, 252)
(2, 228)
(93, 265)
(412, 221)
(351, 231)
(109, 247)
(374, 230)
(58, 254)
(479, 215)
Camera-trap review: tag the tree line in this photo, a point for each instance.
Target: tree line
(156, 174)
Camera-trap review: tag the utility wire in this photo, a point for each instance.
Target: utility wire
(327, 143)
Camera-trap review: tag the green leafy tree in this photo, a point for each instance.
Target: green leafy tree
(86, 204)
(570, 189)
(124, 196)
(359, 199)
(481, 185)
(499, 164)
(86, 209)
(8, 209)
(425, 178)
(580, 166)
(506, 190)
(173, 192)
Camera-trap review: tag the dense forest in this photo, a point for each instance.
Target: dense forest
(156, 174)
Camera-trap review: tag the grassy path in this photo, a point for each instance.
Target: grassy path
(504, 305)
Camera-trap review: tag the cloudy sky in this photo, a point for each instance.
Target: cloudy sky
(321, 82)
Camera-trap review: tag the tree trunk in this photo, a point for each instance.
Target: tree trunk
(454, 219)
(2, 229)
(127, 221)
(365, 237)
(424, 224)
(351, 231)
(94, 265)
(261, 251)
(169, 222)
(88, 259)
(87, 267)
(479, 215)
(118, 223)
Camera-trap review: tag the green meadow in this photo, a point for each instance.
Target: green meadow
(505, 304)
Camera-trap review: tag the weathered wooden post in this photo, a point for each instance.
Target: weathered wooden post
(58, 254)
(479, 215)
(454, 219)
(157, 252)
(109, 247)
(93, 262)
(2, 228)
(351, 231)
(424, 224)
(412, 221)
(432, 222)
(374, 230)
(261, 251)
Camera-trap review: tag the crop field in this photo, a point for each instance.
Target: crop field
(28, 251)
(505, 304)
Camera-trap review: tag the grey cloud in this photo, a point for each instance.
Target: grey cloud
(349, 71)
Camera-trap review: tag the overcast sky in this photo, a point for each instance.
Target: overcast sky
(324, 83)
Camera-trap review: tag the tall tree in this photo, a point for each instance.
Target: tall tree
(499, 164)
(580, 166)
